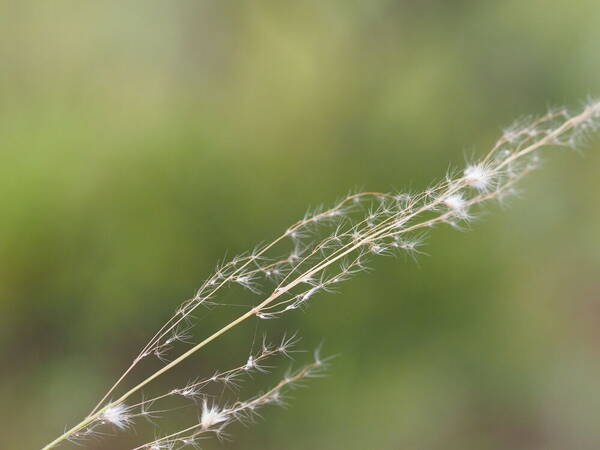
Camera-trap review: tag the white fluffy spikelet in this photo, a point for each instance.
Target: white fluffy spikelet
(479, 176)
(117, 415)
(456, 203)
(211, 415)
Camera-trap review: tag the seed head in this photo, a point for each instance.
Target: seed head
(117, 415)
(455, 202)
(479, 176)
(211, 415)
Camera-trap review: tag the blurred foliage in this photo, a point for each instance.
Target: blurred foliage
(142, 141)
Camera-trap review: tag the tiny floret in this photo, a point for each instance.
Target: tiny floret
(250, 364)
(117, 415)
(478, 176)
(455, 202)
(211, 415)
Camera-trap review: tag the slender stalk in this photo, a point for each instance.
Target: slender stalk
(174, 321)
(446, 195)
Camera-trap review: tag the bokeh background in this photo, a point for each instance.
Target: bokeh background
(140, 142)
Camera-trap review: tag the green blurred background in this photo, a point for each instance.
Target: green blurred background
(142, 141)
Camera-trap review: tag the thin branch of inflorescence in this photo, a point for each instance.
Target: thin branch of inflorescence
(331, 245)
(214, 419)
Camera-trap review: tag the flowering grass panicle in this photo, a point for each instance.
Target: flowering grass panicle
(314, 255)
